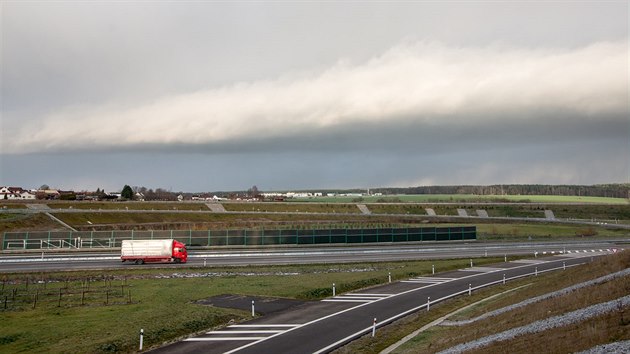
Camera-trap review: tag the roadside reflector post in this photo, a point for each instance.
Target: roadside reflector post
(374, 327)
(334, 290)
(504, 279)
(505, 258)
(471, 265)
(428, 302)
(469, 289)
(536, 271)
(390, 276)
(486, 253)
(204, 262)
(433, 269)
(564, 266)
(141, 337)
(253, 313)
(536, 254)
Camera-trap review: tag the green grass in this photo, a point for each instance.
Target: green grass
(165, 308)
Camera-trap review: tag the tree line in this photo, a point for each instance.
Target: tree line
(599, 190)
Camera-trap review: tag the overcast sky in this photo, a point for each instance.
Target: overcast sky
(207, 96)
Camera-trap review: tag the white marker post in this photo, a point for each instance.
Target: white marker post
(390, 276)
(469, 289)
(253, 312)
(428, 302)
(503, 279)
(141, 337)
(564, 266)
(536, 271)
(204, 262)
(536, 254)
(486, 253)
(505, 258)
(471, 263)
(374, 327)
(334, 289)
(433, 268)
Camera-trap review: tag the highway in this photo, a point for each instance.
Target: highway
(105, 259)
(322, 326)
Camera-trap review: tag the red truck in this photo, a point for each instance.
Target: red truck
(141, 251)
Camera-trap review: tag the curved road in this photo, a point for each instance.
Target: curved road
(322, 326)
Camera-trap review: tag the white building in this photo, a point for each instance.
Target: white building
(15, 193)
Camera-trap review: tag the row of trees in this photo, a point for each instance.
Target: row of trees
(600, 190)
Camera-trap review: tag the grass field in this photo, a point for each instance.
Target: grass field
(163, 301)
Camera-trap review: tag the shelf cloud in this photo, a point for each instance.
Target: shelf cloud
(422, 89)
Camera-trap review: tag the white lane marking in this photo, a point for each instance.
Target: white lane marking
(427, 280)
(262, 331)
(211, 339)
(481, 269)
(262, 325)
(357, 297)
(347, 300)
(528, 261)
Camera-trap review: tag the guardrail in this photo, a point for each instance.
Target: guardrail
(210, 238)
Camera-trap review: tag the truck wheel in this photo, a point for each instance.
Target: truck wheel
(178, 260)
(139, 261)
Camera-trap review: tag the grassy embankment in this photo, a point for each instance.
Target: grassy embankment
(586, 334)
(163, 301)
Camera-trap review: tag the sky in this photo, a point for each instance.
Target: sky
(201, 96)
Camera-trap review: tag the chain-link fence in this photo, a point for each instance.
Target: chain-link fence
(210, 238)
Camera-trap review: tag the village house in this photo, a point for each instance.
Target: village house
(15, 193)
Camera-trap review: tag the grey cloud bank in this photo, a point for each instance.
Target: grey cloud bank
(210, 96)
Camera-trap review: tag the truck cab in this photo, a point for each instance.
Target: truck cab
(180, 255)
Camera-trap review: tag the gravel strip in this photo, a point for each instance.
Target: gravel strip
(617, 348)
(543, 325)
(561, 292)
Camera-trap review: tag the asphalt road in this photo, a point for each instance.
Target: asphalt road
(322, 326)
(55, 261)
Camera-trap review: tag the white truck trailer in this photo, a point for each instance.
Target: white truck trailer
(141, 251)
